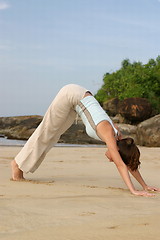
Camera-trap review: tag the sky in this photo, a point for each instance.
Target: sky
(46, 44)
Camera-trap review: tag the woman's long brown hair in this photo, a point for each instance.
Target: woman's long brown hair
(129, 153)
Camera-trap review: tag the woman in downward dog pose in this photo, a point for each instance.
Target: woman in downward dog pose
(70, 100)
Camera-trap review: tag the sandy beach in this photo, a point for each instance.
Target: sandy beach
(77, 194)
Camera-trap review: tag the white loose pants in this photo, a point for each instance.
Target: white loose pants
(58, 118)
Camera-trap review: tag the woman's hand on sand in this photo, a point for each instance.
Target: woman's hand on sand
(152, 189)
(143, 193)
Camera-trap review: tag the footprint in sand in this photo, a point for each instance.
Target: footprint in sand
(90, 186)
(143, 224)
(87, 213)
(113, 227)
(115, 188)
(35, 181)
(112, 188)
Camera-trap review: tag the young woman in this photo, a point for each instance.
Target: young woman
(72, 100)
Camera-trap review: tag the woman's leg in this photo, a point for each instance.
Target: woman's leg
(41, 148)
(58, 118)
(31, 155)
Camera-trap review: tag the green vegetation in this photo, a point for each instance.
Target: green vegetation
(133, 80)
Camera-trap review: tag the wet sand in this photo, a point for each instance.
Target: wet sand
(77, 194)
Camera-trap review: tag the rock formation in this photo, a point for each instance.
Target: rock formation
(20, 127)
(133, 110)
(148, 132)
(111, 106)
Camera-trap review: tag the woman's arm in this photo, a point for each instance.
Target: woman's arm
(106, 133)
(136, 174)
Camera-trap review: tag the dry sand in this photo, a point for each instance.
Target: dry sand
(77, 194)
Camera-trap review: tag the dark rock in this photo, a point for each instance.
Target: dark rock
(20, 127)
(148, 132)
(111, 106)
(120, 119)
(128, 130)
(76, 134)
(135, 109)
(2, 135)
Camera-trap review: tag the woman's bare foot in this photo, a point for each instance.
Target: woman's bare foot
(17, 174)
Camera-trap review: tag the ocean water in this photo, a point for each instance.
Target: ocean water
(13, 142)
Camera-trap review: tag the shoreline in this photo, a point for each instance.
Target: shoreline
(4, 141)
(20, 143)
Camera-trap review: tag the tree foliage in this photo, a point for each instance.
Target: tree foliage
(133, 80)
